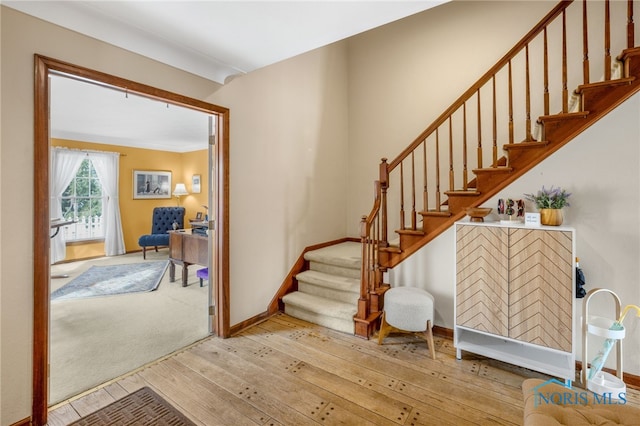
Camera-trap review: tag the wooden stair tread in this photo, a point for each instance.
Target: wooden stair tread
(434, 213)
(390, 249)
(525, 145)
(463, 193)
(564, 116)
(501, 169)
(629, 52)
(418, 232)
(608, 83)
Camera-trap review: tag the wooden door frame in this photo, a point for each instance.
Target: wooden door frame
(41, 227)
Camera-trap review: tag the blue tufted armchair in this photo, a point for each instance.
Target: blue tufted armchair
(163, 219)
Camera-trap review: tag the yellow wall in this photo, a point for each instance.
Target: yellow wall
(195, 163)
(136, 214)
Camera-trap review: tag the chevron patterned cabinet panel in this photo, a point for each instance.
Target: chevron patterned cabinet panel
(541, 287)
(514, 295)
(482, 286)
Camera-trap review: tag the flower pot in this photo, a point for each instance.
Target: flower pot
(552, 217)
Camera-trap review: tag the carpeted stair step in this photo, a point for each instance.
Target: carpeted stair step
(335, 287)
(319, 310)
(342, 259)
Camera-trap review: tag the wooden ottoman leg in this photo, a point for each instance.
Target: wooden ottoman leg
(429, 337)
(384, 329)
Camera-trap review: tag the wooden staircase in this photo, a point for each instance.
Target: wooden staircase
(419, 173)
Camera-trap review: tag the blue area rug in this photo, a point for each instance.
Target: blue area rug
(113, 279)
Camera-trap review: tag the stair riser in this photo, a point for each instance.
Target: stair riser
(334, 270)
(458, 203)
(601, 93)
(521, 158)
(344, 325)
(329, 293)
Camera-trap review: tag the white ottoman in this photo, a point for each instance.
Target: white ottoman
(408, 309)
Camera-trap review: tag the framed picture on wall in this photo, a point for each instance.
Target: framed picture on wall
(195, 184)
(151, 184)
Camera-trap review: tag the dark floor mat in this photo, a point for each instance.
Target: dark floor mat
(143, 407)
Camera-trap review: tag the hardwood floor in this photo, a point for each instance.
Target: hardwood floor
(288, 372)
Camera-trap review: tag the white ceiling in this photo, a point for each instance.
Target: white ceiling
(117, 118)
(213, 39)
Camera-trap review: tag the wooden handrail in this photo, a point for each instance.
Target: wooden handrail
(482, 81)
(516, 108)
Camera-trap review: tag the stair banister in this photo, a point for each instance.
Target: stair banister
(483, 80)
(374, 229)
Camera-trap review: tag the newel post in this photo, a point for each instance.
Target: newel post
(384, 184)
(361, 328)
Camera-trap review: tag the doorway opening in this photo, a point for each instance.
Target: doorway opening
(218, 212)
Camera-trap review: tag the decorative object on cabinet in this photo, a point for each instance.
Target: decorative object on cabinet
(512, 303)
(550, 203)
(150, 184)
(532, 220)
(511, 211)
(477, 214)
(551, 217)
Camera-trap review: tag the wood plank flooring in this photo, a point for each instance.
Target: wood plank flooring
(285, 371)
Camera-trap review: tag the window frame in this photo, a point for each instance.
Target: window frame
(91, 177)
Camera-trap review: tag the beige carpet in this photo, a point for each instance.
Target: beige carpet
(95, 340)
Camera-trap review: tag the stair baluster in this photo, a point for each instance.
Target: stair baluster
(509, 121)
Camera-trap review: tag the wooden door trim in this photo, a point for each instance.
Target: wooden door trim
(41, 267)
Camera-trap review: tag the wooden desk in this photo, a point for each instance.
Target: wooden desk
(186, 249)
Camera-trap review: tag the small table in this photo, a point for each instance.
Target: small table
(186, 248)
(57, 224)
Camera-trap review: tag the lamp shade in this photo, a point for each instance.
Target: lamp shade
(180, 190)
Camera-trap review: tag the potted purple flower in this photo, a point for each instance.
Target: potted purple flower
(550, 203)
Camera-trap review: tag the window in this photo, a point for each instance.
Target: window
(82, 202)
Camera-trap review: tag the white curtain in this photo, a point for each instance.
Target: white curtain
(64, 166)
(107, 169)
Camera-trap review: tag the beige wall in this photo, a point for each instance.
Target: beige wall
(306, 138)
(402, 76)
(21, 37)
(288, 169)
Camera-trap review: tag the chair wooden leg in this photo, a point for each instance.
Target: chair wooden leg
(144, 253)
(429, 337)
(384, 329)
